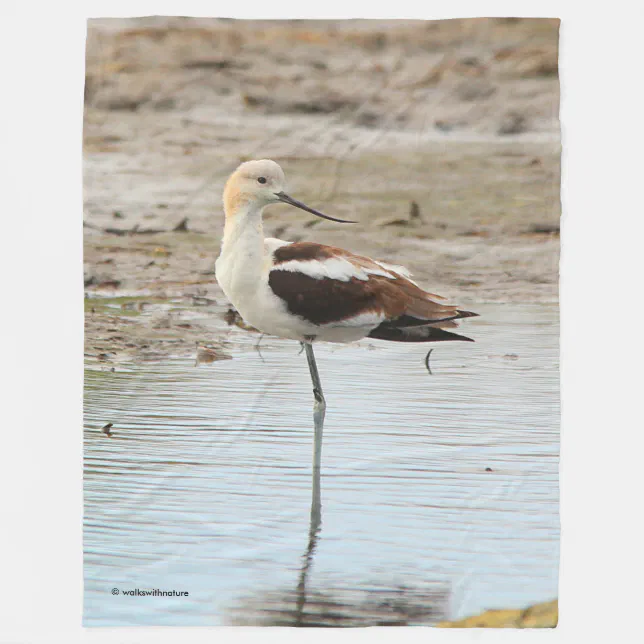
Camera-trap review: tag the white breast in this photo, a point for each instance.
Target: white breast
(256, 302)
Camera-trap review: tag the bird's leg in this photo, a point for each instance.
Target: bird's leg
(319, 409)
(319, 406)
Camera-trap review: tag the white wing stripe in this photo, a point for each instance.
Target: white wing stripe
(336, 268)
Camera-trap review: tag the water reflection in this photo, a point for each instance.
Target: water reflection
(315, 524)
(349, 607)
(375, 606)
(431, 487)
(314, 531)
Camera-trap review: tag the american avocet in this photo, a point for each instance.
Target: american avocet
(310, 292)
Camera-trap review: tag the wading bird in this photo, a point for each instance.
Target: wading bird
(310, 292)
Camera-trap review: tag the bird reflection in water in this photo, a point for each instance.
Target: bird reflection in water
(369, 604)
(315, 523)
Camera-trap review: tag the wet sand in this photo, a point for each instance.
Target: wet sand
(440, 138)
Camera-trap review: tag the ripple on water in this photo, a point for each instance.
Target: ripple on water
(205, 485)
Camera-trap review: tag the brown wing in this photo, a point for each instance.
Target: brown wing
(322, 300)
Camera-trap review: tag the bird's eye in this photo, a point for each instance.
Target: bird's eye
(262, 179)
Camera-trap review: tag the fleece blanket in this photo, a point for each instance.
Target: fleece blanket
(418, 483)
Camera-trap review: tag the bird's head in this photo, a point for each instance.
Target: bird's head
(258, 184)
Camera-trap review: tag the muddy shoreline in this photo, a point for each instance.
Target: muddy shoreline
(441, 139)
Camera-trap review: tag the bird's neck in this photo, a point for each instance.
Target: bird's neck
(244, 233)
(240, 264)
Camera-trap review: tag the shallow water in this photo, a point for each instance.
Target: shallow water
(205, 484)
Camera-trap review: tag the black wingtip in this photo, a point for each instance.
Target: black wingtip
(415, 334)
(455, 336)
(467, 314)
(440, 335)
